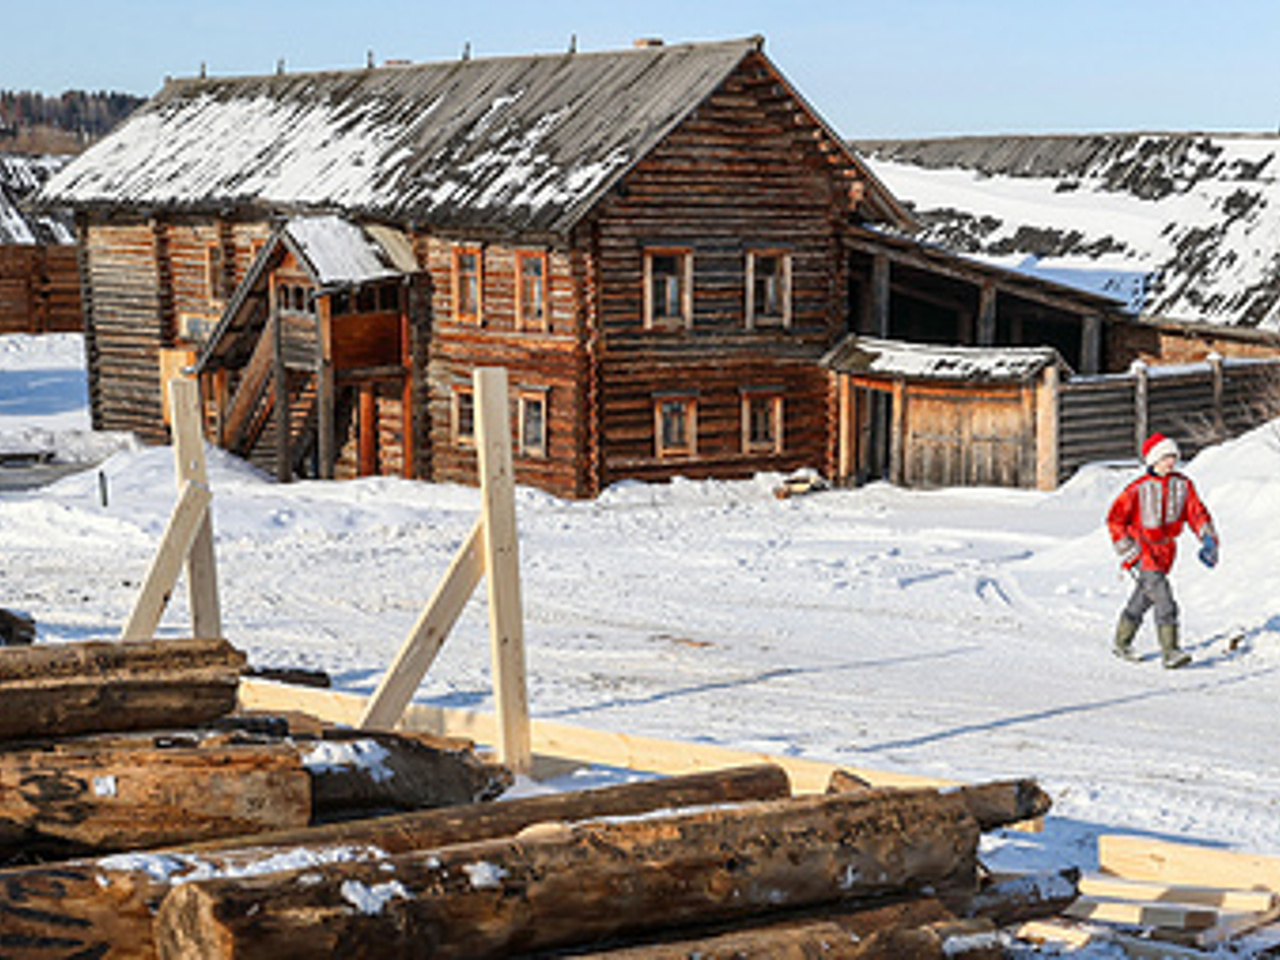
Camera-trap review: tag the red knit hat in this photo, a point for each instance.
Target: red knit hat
(1157, 447)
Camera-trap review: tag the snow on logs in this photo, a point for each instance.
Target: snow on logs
(111, 686)
(104, 907)
(578, 883)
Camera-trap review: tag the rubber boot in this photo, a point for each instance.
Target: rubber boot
(1126, 629)
(1173, 656)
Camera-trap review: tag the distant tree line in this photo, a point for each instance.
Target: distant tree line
(87, 115)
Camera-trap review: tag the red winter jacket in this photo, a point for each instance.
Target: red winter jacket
(1147, 517)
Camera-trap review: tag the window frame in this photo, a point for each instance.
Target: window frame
(542, 324)
(460, 439)
(775, 397)
(754, 318)
(215, 272)
(689, 448)
(684, 273)
(526, 396)
(456, 275)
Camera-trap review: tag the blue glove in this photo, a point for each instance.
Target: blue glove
(1209, 550)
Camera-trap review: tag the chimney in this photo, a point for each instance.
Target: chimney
(644, 43)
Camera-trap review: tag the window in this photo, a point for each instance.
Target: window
(531, 291)
(464, 417)
(768, 289)
(762, 420)
(467, 284)
(676, 426)
(533, 422)
(668, 289)
(213, 276)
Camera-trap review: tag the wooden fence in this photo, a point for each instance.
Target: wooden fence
(1107, 417)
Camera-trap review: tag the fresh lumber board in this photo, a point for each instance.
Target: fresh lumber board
(1139, 858)
(1170, 916)
(104, 907)
(566, 741)
(111, 686)
(1243, 901)
(587, 881)
(1056, 932)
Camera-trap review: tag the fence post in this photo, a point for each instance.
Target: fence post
(1141, 403)
(1219, 388)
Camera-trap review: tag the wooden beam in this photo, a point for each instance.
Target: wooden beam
(881, 290)
(987, 314)
(385, 708)
(185, 522)
(1168, 916)
(1137, 858)
(898, 434)
(280, 374)
(1236, 901)
(562, 740)
(325, 395)
(188, 450)
(502, 566)
(1091, 344)
(1046, 429)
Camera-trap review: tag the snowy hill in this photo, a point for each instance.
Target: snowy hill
(959, 633)
(1179, 226)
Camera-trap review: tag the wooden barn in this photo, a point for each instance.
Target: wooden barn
(659, 244)
(39, 274)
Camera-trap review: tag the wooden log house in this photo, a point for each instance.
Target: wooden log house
(658, 244)
(39, 272)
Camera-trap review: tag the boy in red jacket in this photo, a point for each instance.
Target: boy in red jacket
(1144, 522)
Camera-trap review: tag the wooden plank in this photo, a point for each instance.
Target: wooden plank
(1247, 901)
(551, 739)
(1139, 858)
(386, 706)
(185, 522)
(1170, 916)
(1057, 932)
(502, 567)
(202, 569)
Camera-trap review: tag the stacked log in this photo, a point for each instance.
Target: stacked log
(104, 907)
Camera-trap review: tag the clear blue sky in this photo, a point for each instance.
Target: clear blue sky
(885, 68)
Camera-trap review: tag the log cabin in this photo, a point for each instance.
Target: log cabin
(659, 244)
(39, 273)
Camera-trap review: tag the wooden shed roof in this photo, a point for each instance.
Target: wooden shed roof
(896, 359)
(507, 144)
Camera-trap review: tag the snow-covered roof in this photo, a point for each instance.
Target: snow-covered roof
(1181, 226)
(338, 252)
(20, 177)
(917, 361)
(512, 144)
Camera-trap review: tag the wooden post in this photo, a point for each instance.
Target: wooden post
(386, 706)
(324, 390)
(880, 296)
(185, 523)
(987, 315)
(898, 434)
(1141, 405)
(188, 448)
(368, 429)
(1046, 430)
(1091, 344)
(1219, 385)
(845, 443)
(280, 374)
(502, 567)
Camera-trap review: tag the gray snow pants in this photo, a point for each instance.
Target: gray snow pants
(1152, 589)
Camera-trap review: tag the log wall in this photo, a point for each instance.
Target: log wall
(743, 173)
(39, 290)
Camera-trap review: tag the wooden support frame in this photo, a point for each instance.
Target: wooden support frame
(490, 551)
(188, 536)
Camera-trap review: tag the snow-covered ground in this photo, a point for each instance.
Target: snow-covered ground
(957, 633)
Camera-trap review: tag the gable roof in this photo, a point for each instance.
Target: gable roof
(333, 252)
(510, 144)
(1183, 226)
(20, 178)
